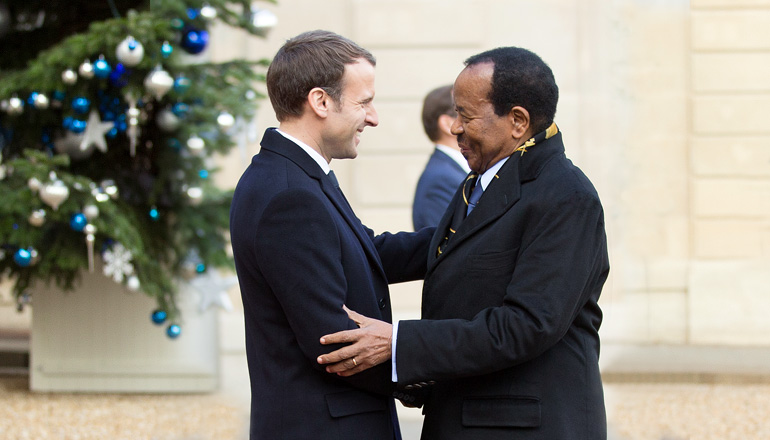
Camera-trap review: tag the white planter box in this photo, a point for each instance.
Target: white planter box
(100, 338)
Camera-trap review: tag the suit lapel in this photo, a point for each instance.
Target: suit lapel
(500, 196)
(278, 144)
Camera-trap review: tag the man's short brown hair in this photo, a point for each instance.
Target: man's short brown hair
(311, 59)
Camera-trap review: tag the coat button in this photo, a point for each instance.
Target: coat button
(382, 303)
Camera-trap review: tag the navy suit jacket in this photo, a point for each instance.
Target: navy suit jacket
(510, 309)
(300, 254)
(437, 184)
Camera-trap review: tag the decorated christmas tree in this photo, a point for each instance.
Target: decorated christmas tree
(109, 118)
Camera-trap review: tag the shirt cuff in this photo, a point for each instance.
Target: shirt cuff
(393, 374)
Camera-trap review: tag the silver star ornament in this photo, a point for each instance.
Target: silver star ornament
(95, 131)
(213, 289)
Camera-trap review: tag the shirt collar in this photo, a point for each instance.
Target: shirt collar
(316, 156)
(491, 172)
(454, 155)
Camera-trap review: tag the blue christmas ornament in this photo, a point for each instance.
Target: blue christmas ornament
(102, 68)
(58, 95)
(174, 144)
(166, 49)
(22, 257)
(173, 331)
(194, 41)
(113, 133)
(159, 316)
(193, 13)
(76, 126)
(32, 98)
(81, 105)
(180, 109)
(200, 268)
(119, 76)
(78, 221)
(181, 84)
(154, 214)
(203, 174)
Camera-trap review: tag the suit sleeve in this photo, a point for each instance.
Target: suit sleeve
(299, 251)
(558, 267)
(404, 255)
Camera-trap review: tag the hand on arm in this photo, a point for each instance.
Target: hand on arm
(370, 346)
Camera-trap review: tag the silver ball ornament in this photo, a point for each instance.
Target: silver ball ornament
(196, 145)
(208, 12)
(54, 194)
(41, 102)
(130, 52)
(34, 184)
(15, 106)
(91, 211)
(69, 77)
(225, 120)
(195, 194)
(167, 120)
(37, 218)
(86, 69)
(263, 20)
(133, 283)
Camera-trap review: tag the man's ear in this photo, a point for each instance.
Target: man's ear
(519, 118)
(445, 124)
(318, 101)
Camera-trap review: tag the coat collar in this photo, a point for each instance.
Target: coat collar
(501, 194)
(274, 142)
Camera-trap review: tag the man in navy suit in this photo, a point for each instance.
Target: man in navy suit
(508, 347)
(446, 169)
(301, 253)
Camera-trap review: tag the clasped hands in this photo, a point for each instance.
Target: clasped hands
(370, 345)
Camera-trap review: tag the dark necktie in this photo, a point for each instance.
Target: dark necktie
(333, 178)
(474, 198)
(462, 209)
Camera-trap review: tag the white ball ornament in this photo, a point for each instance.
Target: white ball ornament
(69, 77)
(133, 283)
(225, 120)
(91, 211)
(34, 184)
(195, 194)
(86, 69)
(130, 52)
(167, 120)
(15, 106)
(37, 218)
(41, 102)
(196, 145)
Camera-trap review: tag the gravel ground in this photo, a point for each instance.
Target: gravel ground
(636, 411)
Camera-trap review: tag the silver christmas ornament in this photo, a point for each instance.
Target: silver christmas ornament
(208, 12)
(225, 120)
(69, 77)
(167, 120)
(91, 211)
(34, 256)
(195, 194)
(158, 82)
(54, 194)
(86, 69)
(130, 52)
(34, 184)
(37, 218)
(15, 106)
(196, 145)
(41, 101)
(95, 131)
(263, 20)
(133, 283)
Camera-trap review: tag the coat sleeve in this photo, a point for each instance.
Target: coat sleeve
(299, 250)
(404, 255)
(558, 268)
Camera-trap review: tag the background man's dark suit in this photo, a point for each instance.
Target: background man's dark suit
(300, 254)
(437, 185)
(514, 346)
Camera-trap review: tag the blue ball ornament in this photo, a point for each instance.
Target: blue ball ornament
(180, 109)
(193, 13)
(194, 41)
(119, 76)
(22, 257)
(102, 68)
(203, 174)
(200, 268)
(166, 49)
(159, 317)
(154, 214)
(77, 126)
(78, 221)
(81, 104)
(32, 97)
(181, 84)
(173, 331)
